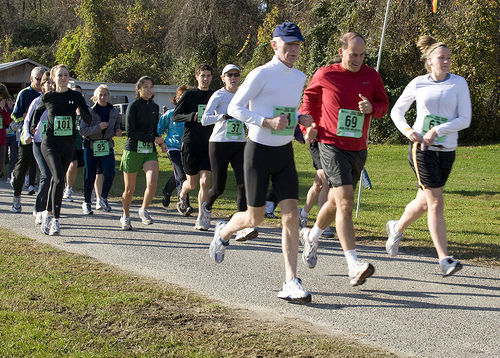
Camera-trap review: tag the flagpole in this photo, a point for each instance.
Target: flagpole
(378, 68)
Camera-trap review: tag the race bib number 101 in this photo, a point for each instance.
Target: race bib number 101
(63, 126)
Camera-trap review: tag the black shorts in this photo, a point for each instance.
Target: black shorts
(432, 167)
(195, 158)
(342, 167)
(78, 156)
(263, 162)
(314, 150)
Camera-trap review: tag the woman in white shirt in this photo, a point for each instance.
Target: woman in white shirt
(226, 145)
(443, 109)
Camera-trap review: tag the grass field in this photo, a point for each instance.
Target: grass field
(472, 198)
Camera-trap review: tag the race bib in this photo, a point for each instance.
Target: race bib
(100, 148)
(43, 128)
(289, 113)
(144, 147)
(234, 129)
(201, 110)
(1, 123)
(350, 123)
(63, 126)
(431, 120)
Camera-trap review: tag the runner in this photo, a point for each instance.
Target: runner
(267, 102)
(45, 175)
(78, 161)
(342, 98)
(140, 151)
(98, 147)
(226, 145)
(5, 121)
(174, 131)
(318, 192)
(25, 151)
(58, 143)
(443, 109)
(194, 150)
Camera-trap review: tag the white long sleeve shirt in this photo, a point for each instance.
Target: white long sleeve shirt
(449, 98)
(214, 112)
(31, 109)
(266, 87)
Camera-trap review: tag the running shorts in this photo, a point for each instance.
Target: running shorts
(78, 156)
(342, 167)
(431, 167)
(195, 158)
(263, 162)
(314, 150)
(132, 161)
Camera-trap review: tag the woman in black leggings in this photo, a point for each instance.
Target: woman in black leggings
(226, 145)
(58, 143)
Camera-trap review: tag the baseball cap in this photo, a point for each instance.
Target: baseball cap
(288, 32)
(229, 68)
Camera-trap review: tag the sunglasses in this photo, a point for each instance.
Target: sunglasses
(232, 74)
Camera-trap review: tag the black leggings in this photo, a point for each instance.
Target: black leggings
(58, 154)
(221, 154)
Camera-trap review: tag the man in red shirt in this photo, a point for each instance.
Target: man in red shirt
(342, 98)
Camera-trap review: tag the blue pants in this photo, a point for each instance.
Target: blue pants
(108, 166)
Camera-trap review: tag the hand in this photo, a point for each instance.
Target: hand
(164, 148)
(28, 140)
(429, 137)
(78, 111)
(306, 120)
(277, 123)
(103, 125)
(364, 105)
(159, 141)
(311, 134)
(118, 133)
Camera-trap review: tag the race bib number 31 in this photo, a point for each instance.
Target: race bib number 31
(289, 113)
(350, 123)
(63, 126)
(431, 120)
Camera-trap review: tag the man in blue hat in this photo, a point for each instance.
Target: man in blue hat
(267, 101)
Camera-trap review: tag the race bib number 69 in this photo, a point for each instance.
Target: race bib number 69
(350, 123)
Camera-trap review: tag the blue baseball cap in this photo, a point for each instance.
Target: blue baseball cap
(288, 32)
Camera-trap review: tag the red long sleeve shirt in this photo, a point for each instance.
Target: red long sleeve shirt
(333, 88)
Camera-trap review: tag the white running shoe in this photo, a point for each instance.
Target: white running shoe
(126, 222)
(103, 204)
(46, 219)
(145, 217)
(87, 208)
(218, 245)
(393, 238)
(38, 217)
(293, 291)
(359, 272)
(206, 215)
(54, 228)
(67, 194)
(302, 220)
(183, 207)
(248, 233)
(310, 248)
(449, 266)
(16, 204)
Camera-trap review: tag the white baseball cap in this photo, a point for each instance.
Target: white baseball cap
(229, 68)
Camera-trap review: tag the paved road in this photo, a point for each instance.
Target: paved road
(406, 307)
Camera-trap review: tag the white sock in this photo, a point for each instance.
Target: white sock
(351, 257)
(304, 213)
(315, 233)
